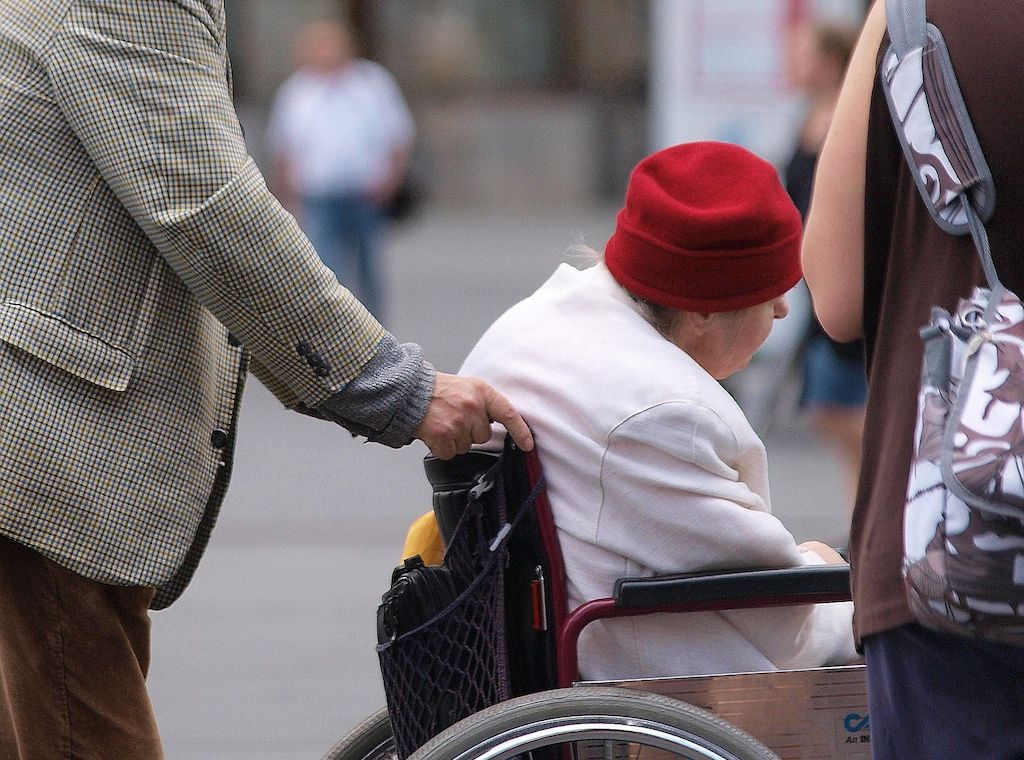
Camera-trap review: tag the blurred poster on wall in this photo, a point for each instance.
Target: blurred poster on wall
(719, 69)
(739, 47)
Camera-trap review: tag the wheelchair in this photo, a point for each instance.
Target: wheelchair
(540, 706)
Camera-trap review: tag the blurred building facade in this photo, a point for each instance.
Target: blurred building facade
(541, 103)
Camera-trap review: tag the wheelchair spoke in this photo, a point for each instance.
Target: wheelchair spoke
(593, 723)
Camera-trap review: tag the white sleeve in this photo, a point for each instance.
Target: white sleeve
(277, 134)
(396, 119)
(674, 500)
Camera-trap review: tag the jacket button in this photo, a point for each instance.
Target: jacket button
(218, 439)
(233, 341)
(320, 367)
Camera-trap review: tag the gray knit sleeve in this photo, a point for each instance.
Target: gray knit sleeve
(387, 401)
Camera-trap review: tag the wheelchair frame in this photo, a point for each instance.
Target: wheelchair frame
(798, 714)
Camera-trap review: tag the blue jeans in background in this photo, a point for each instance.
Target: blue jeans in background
(346, 232)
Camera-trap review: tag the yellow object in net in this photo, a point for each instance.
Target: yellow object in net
(424, 539)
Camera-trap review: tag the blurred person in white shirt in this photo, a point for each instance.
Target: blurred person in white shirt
(340, 134)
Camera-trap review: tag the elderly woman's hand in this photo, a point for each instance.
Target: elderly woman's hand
(826, 552)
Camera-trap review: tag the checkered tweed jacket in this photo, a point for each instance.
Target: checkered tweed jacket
(144, 268)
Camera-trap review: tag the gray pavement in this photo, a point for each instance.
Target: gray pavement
(269, 654)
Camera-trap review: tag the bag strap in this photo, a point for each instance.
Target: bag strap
(980, 237)
(482, 485)
(933, 126)
(907, 25)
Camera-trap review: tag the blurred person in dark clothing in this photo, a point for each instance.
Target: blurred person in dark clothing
(834, 385)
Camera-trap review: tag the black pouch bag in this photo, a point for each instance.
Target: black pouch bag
(418, 592)
(453, 663)
(455, 660)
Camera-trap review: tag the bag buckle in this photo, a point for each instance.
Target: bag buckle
(482, 487)
(976, 341)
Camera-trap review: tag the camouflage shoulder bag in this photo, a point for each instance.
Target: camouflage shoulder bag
(963, 564)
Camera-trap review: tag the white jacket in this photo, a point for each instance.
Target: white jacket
(652, 468)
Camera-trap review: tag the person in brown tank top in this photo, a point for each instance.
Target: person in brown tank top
(876, 263)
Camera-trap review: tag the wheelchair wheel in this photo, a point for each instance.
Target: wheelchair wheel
(593, 723)
(370, 740)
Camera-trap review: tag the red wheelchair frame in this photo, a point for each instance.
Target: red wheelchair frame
(704, 592)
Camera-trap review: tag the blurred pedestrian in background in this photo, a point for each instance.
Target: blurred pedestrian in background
(340, 135)
(834, 385)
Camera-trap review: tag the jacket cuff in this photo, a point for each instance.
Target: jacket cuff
(388, 400)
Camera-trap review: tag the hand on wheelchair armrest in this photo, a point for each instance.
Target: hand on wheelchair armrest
(802, 585)
(828, 554)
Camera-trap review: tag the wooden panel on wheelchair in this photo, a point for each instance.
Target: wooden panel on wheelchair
(819, 714)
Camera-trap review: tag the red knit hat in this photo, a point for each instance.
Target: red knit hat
(707, 227)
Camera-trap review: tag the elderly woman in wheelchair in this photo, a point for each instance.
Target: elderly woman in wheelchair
(652, 467)
(644, 466)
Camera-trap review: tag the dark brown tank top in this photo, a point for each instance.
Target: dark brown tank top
(910, 265)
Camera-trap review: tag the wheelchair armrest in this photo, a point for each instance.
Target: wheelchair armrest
(805, 583)
(701, 592)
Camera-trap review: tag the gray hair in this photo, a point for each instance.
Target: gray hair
(661, 318)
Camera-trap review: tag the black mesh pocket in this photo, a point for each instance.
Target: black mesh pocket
(456, 663)
(450, 667)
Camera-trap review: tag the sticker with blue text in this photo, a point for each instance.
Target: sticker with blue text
(853, 735)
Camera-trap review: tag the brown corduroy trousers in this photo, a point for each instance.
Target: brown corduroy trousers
(73, 660)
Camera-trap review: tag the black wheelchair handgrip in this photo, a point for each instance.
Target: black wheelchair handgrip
(458, 471)
(803, 582)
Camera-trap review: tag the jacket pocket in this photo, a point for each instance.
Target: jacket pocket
(55, 341)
